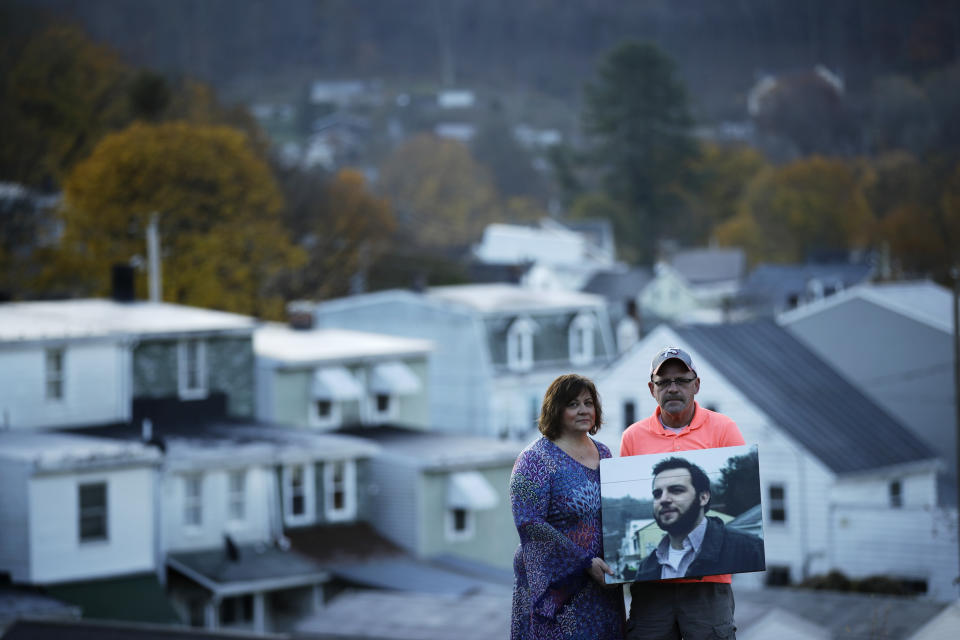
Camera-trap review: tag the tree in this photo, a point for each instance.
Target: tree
(636, 112)
(342, 226)
(810, 207)
(441, 196)
(223, 244)
(739, 486)
(63, 92)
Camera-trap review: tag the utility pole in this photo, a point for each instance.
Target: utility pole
(153, 259)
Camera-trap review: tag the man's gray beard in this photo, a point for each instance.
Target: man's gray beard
(684, 524)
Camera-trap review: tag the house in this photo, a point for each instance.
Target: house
(327, 378)
(79, 509)
(771, 289)
(438, 494)
(694, 285)
(497, 346)
(845, 485)
(144, 355)
(208, 491)
(894, 342)
(622, 287)
(554, 256)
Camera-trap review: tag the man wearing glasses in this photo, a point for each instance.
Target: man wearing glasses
(692, 609)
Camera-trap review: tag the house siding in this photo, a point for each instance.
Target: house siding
(458, 381)
(393, 502)
(57, 555)
(14, 521)
(494, 538)
(87, 399)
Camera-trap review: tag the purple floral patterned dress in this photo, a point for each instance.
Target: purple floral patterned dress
(556, 507)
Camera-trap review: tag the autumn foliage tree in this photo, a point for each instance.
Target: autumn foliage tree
(442, 197)
(791, 213)
(218, 209)
(342, 227)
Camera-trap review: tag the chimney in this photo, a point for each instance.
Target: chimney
(122, 283)
(300, 316)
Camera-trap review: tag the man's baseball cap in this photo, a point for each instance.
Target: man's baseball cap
(671, 353)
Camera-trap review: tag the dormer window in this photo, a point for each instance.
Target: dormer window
(192, 369)
(581, 338)
(520, 344)
(53, 372)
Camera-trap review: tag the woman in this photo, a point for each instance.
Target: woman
(559, 590)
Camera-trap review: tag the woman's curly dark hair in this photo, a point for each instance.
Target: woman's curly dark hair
(561, 391)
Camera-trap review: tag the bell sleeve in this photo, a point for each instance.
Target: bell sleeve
(554, 564)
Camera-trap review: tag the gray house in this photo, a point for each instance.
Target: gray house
(894, 342)
(497, 346)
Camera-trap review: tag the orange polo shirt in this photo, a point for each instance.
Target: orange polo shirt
(707, 430)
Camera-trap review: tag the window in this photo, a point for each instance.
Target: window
(778, 576)
(53, 372)
(298, 497)
(383, 406)
(629, 413)
(192, 369)
(339, 480)
(193, 500)
(896, 494)
(777, 503)
(383, 403)
(298, 494)
(520, 344)
(324, 409)
(237, 498)
(580, 338)
(459, 524)
(92, 499)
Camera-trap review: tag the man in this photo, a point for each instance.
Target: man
(695, 544)
(692, 609)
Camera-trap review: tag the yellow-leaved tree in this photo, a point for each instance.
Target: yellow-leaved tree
(442, 197)
(218, 210)
(811, 206)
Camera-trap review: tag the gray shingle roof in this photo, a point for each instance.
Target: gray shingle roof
(805, 396)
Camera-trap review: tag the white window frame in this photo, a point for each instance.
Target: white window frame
(237, 495)
(777, 503)
(93, 511)
(305, 491)
(453, 534)
(580, 338)
(520, 344)
(193, 501)
(393, 406)
(54, 366)
(895, 493)
(317, 420)
(347, 483)
(199, 361)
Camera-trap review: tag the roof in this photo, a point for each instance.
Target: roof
(439, 451)
(413, 616)
(297, 346)
(703, 266)
(805, 396)
(94, 318)
(335, 543)
(104, 630)
(775, 283)
(231, 443)
(846, 615)
(921, 300)
(56, 451)
(619, 284)
(135, 598)
(254, 568)
(507, 298)
(21, 602)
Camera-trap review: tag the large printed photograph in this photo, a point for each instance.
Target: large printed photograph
(683, 514)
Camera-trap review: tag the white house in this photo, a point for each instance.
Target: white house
(845, 485)
(75, 507)
(497, 347)
(695, 285)
(328, 378)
